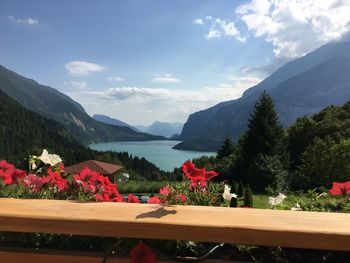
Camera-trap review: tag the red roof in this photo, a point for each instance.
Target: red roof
(97, 166)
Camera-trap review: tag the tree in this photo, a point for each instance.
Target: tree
(248, 197)
(324, 161)
(264, 137)
(226, 149)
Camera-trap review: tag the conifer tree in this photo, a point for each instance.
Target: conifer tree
(226, 149)
(240, 190)
(264, 137)
(248, 197)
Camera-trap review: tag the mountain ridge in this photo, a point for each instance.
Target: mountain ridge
(230, 117)
(55, 105)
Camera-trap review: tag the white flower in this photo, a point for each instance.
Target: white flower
(227, 193)
(296, 207)
(50, 159)
(276, 200)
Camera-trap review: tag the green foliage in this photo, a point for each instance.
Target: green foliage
(141, 186)
(264, 137)
(233, 202)
(323, 162)
(248, 197)
(226, 149)
(333, 122)
(240, 190)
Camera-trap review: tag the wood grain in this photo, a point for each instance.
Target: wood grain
(212, 224)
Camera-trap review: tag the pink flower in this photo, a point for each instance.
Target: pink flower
(154, 200)
(34, 182)
(165, 191)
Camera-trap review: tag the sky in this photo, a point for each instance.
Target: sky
(141, 61)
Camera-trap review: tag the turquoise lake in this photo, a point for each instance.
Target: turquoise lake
(158, 152)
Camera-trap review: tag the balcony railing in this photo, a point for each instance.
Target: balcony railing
(314, 230)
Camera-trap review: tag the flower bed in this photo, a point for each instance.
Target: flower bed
(46, 179)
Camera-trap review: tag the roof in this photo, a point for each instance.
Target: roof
(97, 166)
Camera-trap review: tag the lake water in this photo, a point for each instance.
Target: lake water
(158, 152)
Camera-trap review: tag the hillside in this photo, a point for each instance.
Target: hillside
(112, 121)
(23, 132)
(301, 87)
(52, 104)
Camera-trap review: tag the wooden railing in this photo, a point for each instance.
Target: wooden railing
(314, 230)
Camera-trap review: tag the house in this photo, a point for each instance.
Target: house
(107, 169)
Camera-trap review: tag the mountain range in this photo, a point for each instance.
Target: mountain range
(52, 104)
(300, 87)
(166, 129)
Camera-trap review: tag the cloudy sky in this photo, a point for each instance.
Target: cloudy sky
(141, 61)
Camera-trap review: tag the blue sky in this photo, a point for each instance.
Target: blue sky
(141, 61)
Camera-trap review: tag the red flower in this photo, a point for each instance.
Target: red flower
(87, 179)
(9, 174)
(181, 198)
(34, 182)
(55, 179)
(141, 253)
(165, 190)
(198, 177)
(340, 188)
(133, 199)
(155, 200)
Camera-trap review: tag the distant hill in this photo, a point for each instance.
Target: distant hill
(24, 132)
(112, 121)
(55, 105)
(166, 129)
(301, 87)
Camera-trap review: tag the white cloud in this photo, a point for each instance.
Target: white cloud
(296, 27)
(160, 103)
(25, 21)
(115, 78)
(198, 21)
(220, 27)
(81, 68)
(82, 85)
(166, 78)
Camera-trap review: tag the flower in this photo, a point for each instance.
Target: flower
(198, 177)
(181, 198)
(51, 159)
(165, 191)
(340, 188)
(154, 200)
(9, 174)
(142, 253)
(133, 199)
(34, 182)
(277, 200)
(296, 207)
(55, 179)
(227, 193)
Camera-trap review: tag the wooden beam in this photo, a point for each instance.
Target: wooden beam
(211, 224)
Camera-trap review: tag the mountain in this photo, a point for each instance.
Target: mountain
(166, 129)
(300, 87)
(53, 104)
(24, 132)
(112, 121)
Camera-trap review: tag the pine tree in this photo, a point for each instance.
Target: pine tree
(226, 149)
(240, 190)
(248, 197)
(264, 137)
